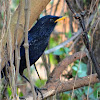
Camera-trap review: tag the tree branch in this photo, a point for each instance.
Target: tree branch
(26, 45)
(63, 64)
(55, 85)
(59, 86)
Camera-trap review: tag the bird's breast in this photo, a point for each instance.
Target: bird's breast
(36, 48)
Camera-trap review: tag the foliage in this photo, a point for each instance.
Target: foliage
(69, 34)
(62, 51)
(14, 5)
(9, 91)
(82, 93)
(40, 83)
(79, 68)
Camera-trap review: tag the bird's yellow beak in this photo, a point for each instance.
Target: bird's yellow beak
(60, 19)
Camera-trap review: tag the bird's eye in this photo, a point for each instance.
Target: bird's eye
(51, 20)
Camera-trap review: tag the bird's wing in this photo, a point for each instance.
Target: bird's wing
(22, 50)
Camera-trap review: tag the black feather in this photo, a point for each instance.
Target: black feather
(38, 38)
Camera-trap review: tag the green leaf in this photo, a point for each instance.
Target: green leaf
(65, 96)
(74, 73)
(69, 34)
(20, 94)
(9, 91)
(52, 42)
(62, 51)
(52, 59)
(40, 83)
(81, 74)
(81, 68)
(67, 50)
(86, 90)
(96, 90)
(58, 52)
(95, 93)
(75, 68)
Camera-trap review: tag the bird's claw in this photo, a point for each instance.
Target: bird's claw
(38, 90)
(22, 98)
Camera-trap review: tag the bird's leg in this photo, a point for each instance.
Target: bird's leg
(36, 88)
(37, 71)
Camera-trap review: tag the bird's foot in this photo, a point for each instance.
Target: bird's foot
(22, 98)
(38, 90)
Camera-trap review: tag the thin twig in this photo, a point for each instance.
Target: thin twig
(89, 80)
(26, 45)
(76, 77)
(92, 6)
(17, 54)
(12, 78)
(94, 32)
(51, 6)
(78, 4)
(3, 32)
(64, 43)
(80, 18)
(56, 7)
(62, 10)
(46, 64)
(0, 66)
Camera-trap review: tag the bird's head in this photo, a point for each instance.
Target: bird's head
(50, 20)
(46, 24)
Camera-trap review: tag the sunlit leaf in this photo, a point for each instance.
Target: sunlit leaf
(67, 50)
(58, 52)
(9, 91)
(40, 83)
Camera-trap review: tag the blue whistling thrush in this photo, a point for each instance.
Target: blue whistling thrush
(38, 38)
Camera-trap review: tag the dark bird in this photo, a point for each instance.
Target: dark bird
(38, 38)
